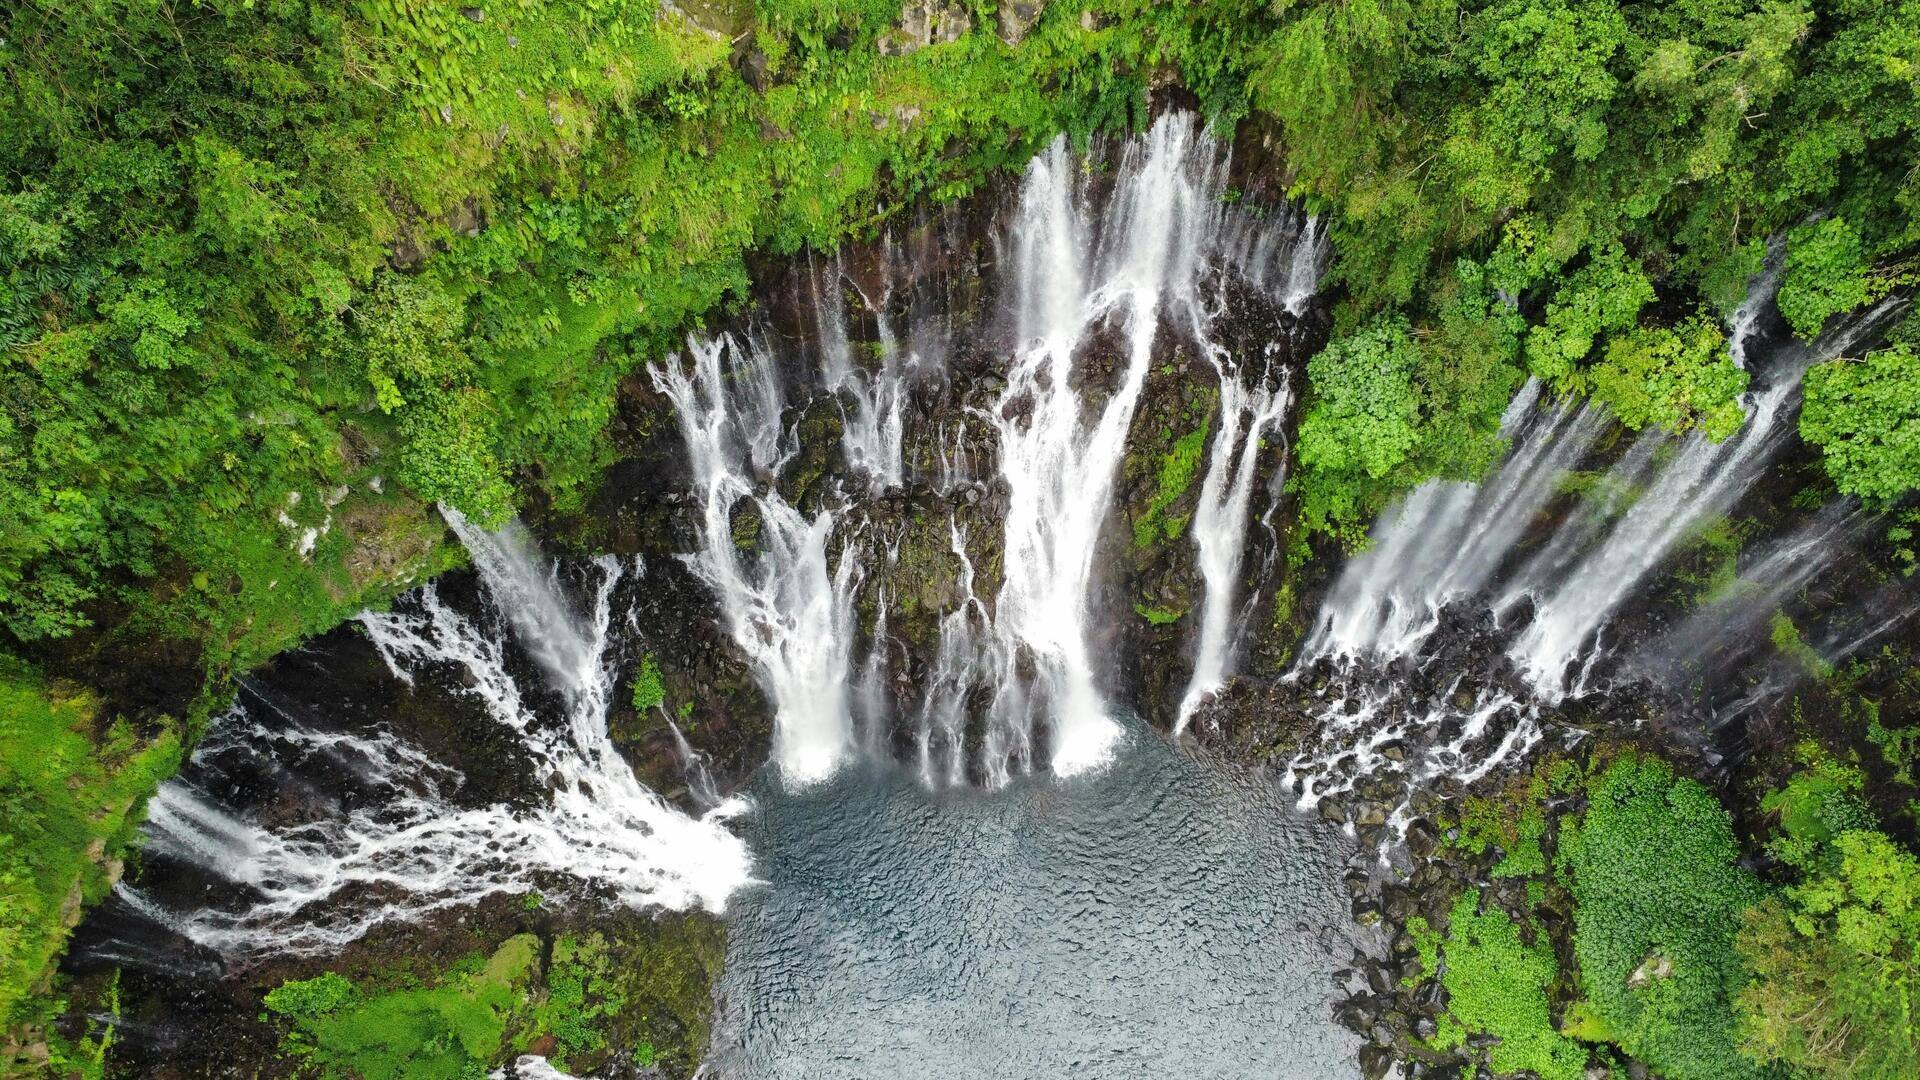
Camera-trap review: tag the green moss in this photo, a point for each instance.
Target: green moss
(449, 1031)
(649, 692)
(1786, 638)
(1819, 802)
(1513, 820)
(1158, 616)
(581, 994)
(1426, 944)
(1177, 469)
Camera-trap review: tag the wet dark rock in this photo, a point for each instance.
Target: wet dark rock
(1421, 840)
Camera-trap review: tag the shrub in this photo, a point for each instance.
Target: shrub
(1864, 415)
(1676, 378)
(1496, 985)
(1657, 897)
(1826, 273)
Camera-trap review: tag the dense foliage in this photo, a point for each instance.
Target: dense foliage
(277, 276)
(1658, 893)
(1836, 961)
(1595, 157)
(72, 785)
(1864, 416)
(1496, 985)
(265, 261)
(1835, 957)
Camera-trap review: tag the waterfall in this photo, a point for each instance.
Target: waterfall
(1761, 289)
(1060, 466)
(872, 426)
(1446, 540)
(1099, 272)
(1247, 414)
(410, 848)
(1703, 478)
(785, 607)
(1367, 668)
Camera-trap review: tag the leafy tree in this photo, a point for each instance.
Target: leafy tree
(1864, 415)
(1826, 274)
(1604, 296)
(1836, 961)
(1673, 377)
(1362, 421)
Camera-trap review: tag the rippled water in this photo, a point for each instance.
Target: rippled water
(1160, 918)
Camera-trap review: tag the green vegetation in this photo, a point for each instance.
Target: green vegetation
(1588, 159)
(1836, 962)
(1158, 616)
(1426, 945)
(450, 1031)
(1658, 892)
(1864, 415)
(636, 985)
(278, 276)
(649, 692)
(73, 785)
(1178, 467)
(391, 241)
(1496, 985)
(1675, 378)
(1514, 820)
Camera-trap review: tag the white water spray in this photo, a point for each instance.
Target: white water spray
(318, 885)
(786, 608)
(1247, 414)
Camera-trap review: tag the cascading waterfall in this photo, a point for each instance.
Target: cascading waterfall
(872, 425)
(1760, 293)
(1448, 539)
(1166, 228)
(1703, 478)
(786, 608)
(410, 849)
(1247, 414)
(1453, 544)
(1098, 272)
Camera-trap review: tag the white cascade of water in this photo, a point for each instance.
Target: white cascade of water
(873, 427)
(1059, 466)
(957, 663)
(1307, 262)
(785, 607)
(1448, 539)
(413, 850)
(1761, 290)
(1247, 414)
(1702, 479)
